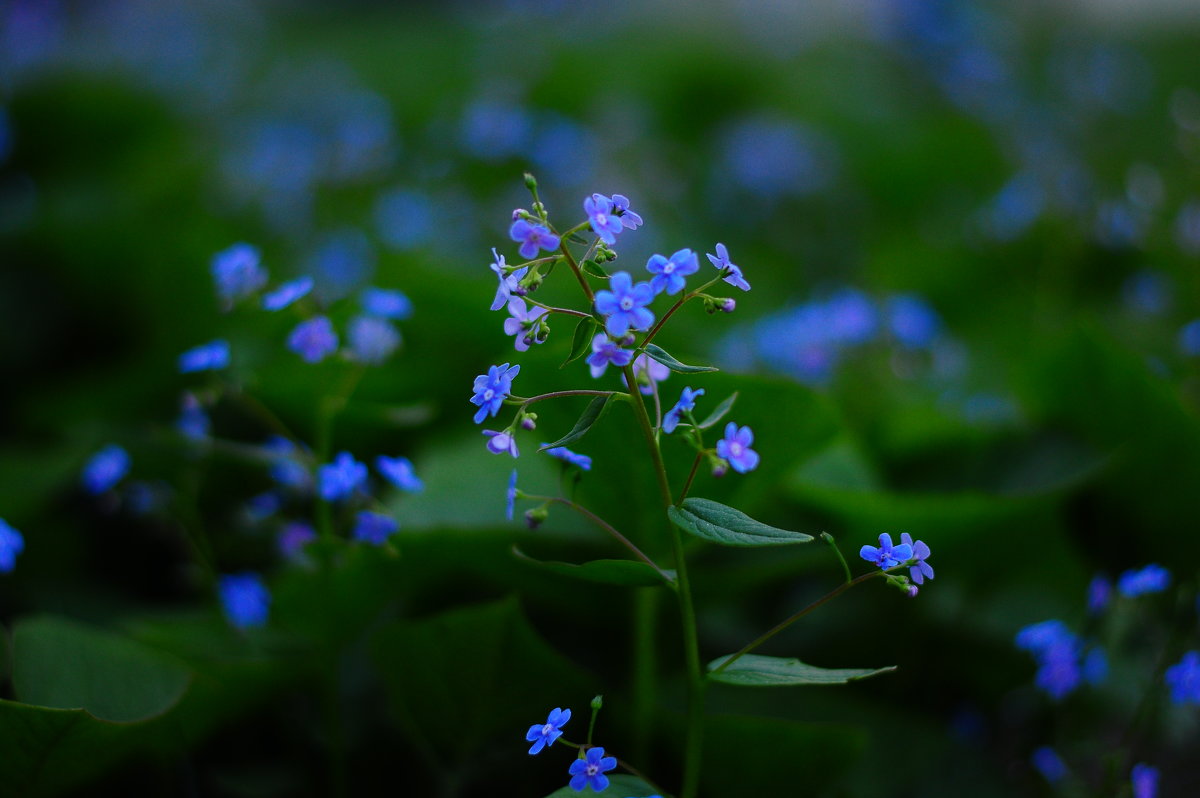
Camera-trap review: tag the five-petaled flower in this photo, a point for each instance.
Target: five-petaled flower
(543, 735)
(492, 389)
(885, 555)
(341, 478)
(920, 570)
(510, 284)
(722, 262)
(735, 447)
(687, 401)
(532, 237)
(313, 340)
(524, 324)
(590, 770)
(625, 305)
(669, 273)
(602, 216)
(237, 273)
(604, 352)
(11, 544)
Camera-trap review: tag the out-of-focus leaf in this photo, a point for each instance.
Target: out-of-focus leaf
(719, 523)
(755, 670)
(629, 573)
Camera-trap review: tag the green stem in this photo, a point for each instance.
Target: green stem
(671, 312)
(587, 289)
(645, 670)
(691, 476)
(607, 527)
(553, 309)
(828, 538)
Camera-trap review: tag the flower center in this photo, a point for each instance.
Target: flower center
(547, 730)
(601, 219)
(488, 394)
(668, 268)
(592, 770)
(735, 449)
(626, 303)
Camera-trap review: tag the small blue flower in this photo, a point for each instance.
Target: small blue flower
(1047, 762)
(492, 388)
(237, 273)
(532, 237)
(245, 598)
(604, 352)
(590, 770)
(193, 422)
(735, 447)
(11, 544)
(1152, 578)
(920, 570)
(261, 507)
(628, 218)
(885, 555)
(287, 464)
(211, 356)
(1145, 780)
(1184, 679)
(601, 215)
(292, 539)
(510, 500)
(105, 469)
(385, 304)
(372, 340)
(341, 478)
(374, 528)
(722, 262)
(314, 339)
(523, 324)
(1039, 637)
(687, 401)
(399, 472)
(625, 305)
(565, 454)
(1099, 594)
(501, 442)
(544, 735)
(913, 322)
(1189, 338)
(287, 293)
(510, 284)
(1094, 668)
(1058, 669)
(669, 273)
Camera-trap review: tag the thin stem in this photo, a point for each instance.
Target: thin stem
(671, 311)
(553, 309)
(828, 538)
(592, 722)
(560, 394)
(691, 476)
(587, 289)
(607, 527)
(645, 669)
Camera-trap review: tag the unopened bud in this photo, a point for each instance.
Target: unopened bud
(912, 591)
(728, 304)
(535, 517)
(720, 468)
(627, 339)
(598, 702)
(519, 213)
(529, 422)
(530, 182)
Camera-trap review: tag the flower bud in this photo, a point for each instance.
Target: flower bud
(912, 591)
(530, 182)
(728, 304)
(598, 702)
(719, 468)
(529, 421)
(519, 213)
(627, 340)
(535, 517)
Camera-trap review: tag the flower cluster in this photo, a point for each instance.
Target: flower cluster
(1064, 661)
(888, 555)
(589, 769)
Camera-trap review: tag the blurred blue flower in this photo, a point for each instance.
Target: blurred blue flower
(1014, 209)
(1095, 666)
(544, 734)
(625, 305)
(211, 356)
(687, 401)
(385, 303)
(1147, 293)
(648, 372)
(1187, 228)
(294, 536)
(341, 478)
(495, 130)
(532, 237)
(287, 464)
(374, 528)
(399, 472)
(314, 339)
(261, 507)
(1189, 338)
(371, 340)
(669, 273)
(1099, 594)
(193, 423)
(405, 219)
(105, 469)
(237, 273)
(735, 448)
(510, 500)
(1184, 679)
(492, 389)
(1152, 578)
(341, 261)
(886, 555)
(773, 158)
(1047, 762)
(11, 544)
(912, 321)
(245, 599)
(1145, 781)
(287, 293)
(1038, 637)
(604, 352)
(566, 455)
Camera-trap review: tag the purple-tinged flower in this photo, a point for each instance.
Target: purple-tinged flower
(544, 734)
(11, 544)
(602, 217)
(211, 356)
(292, 539)
(1152, 578)
(510, 500)
(590, 770)
(687, 402)
(245, 598)
(1184, 679)
(373, 528)
(722, 262)
(920, 570)
(524, 324)
(372, 340)
(625, 305)
(532, 237)
(341, 478)
(735, 448)
(399, 472)
(193, 422)
(287, 293)
(604, 352)
(383, 303)
(621, 209)
(568, 456)
(669, 273)
(501, 442)
(647, 373)
(885, 555)
(287, 464)
(510, 284)
(492, 389)
(1047, 762)
(1099, 594)
(1058, 670)
(237, 273)
(1145, 780)
(313, 340)
(105, 469)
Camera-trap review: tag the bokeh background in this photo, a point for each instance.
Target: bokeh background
(973, 232)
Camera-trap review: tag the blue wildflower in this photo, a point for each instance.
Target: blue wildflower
(543, 735)
(1058, 669)
(1047, 762)
(625, 305)
(287, 293)
(735, 447)
(1189, 338)
(524, 324)
(501, 442)
(885, 555)
(913, 322)
(314, 339)
(510, 284)
(374, 528)
(1094, 668)
(1152, 578)
(604, 351)
(1184, 679)
(621, 209)
(920, 570)
(605, 223)
(211, 356)
(590, 770)
(566, 455)
(510, 500)
(492, 389)
(1147, 292)
(1057, 652)
(532, 237)
(292, 539)
(237, 273)
(193, 422)
(261, 507)
(341, 478)
(245, 598)
(1099, 594)
(1038, 637)
(287, 464)
(385, 304)
(687, 401)
(399, 472)
(669, 273)
(372, 340)
(11, 544)
(105, 469)
(1145, 780)
(722, 262)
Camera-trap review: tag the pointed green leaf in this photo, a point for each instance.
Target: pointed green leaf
(658, 353)
(628, 573)
(722, 524)
(576, 238)
(585, 330)
(754, 670)
(590, 416)
(718, 414)
(595, 269)
(621, 784)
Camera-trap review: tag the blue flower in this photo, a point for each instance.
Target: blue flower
(1058, 669)
(11, 544)
(543, 735)
(735, 447)
(510, 500)
(372, 340)
(604, 352)
(193, 422)
(590, 770)
(245, 599)
(1152, 578)
(105, 469)
(1184, 679)
(399, 472)
(722, 262)
(1099, 594)
(687, 401)
(885, 555)
(501, 442)
(510, 284)
(287, 293)
(211, 356)
(565, 454)
(532, 237)
(237, 273)
(1039, 637)
(1057, 652)
(1145, 780)
(287, 465)
(492, 389)
(385, 304)
(261, 507)
(604, 221)
(313, 340)
(523, 324)
(292, 539)
(920, 570)
(625, 305)
(669, 273)
(374, 528)
(913, 322)
(1095, 666)
(1047, 762)
(621, 208)
(1189, 338)
(341, 478)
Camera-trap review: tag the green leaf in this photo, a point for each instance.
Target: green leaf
(754, 670)
(628, 573)
(722, 524)
(595, 269)
(575, 238)
(720, 412)
(591, 415)
(658, 353)
(745, 755)
(620, 784)
(585, 330)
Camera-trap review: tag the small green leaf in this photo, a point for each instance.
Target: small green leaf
(722, 524)
(718, 414)
(576, 238)
(754, 670)
(620, 784)
(585, 330)
(590, 416)
(658, 353)
(595, 269)
(628, 573)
